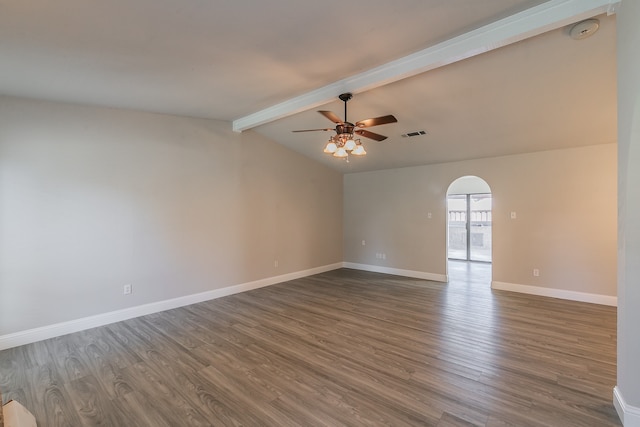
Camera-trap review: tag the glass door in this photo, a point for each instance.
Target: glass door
(469, 227)
(458, 209)
(479, 227)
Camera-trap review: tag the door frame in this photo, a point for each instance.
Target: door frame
(483, 189)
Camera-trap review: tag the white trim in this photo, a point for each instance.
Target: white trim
(556, 293)
(63, 328)
(50, 331)
(629, 415)
(528, 23)
(397, 271)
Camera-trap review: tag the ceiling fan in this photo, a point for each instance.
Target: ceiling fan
(344, 141)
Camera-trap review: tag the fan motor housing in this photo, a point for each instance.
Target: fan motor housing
(345, 127)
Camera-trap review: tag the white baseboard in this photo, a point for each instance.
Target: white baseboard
(629, 415)
(63, 328)
(397, 271)
(556, 293)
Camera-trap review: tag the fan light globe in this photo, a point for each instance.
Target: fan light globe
(350, 144)
(341, 152)
(330, 148)
(359, 151)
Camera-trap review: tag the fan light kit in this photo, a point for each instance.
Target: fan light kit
(345, 142)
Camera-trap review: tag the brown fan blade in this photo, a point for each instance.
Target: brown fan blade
(311, 130)
(370, 135)
(331, 116)
(382, 120)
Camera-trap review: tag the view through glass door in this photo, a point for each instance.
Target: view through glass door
(469, 227)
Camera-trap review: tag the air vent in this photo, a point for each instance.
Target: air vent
(416, 133)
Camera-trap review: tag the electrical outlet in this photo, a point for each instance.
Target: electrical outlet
(429, 215)
(364, 243)
(275, 263)
(513, 215)
(536, 272)
(126, 289)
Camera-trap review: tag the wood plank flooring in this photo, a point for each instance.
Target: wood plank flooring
(340, 348)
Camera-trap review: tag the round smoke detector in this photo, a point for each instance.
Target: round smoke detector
(584, 29)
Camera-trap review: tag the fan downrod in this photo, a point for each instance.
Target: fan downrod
(344, 97)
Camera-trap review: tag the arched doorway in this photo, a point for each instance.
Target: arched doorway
(469, 220)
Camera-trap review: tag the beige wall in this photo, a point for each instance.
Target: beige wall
(93, 198)
(565, 202)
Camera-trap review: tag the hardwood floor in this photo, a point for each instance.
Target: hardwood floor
(340, 348)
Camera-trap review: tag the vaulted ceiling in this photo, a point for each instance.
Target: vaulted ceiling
(228, 59)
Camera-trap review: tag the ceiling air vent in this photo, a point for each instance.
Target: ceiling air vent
(416, 133)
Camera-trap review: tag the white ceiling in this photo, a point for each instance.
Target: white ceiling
(225, 59)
